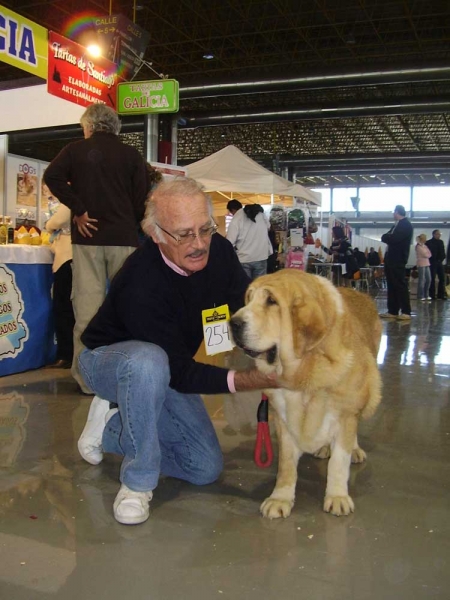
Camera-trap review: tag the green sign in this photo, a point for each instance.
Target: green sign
(142, 97)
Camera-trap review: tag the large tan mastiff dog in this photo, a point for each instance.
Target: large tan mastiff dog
(322, 341)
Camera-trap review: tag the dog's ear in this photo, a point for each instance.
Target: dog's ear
(309, 324)
(248, 294)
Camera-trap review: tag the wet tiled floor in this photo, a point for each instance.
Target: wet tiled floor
(58, 537)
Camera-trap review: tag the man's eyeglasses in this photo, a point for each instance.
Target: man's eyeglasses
(188, 238)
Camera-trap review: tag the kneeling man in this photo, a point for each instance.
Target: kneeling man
(140, 349)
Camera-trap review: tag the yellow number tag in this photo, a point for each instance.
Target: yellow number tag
(216, 322)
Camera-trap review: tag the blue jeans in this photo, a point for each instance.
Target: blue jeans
(255, 269)
(157, 430)
(424, 282)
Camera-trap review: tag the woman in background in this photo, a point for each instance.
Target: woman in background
(423, 267)
(59, 226)
(342, 253)
(248, 231)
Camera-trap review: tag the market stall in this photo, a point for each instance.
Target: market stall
(26, 324)
(229, 173)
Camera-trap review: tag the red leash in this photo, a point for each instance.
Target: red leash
(263, 442)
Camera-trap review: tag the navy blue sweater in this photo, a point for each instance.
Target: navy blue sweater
(150, 302)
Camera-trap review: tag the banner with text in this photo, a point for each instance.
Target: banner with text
(23, 44)
(76, 76)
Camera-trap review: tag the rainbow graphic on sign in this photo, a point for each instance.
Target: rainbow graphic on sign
(79, 23)
(84, 22)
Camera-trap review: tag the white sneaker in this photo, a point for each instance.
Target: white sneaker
(131, 508)
(90, 442)
(404, 317)
(387, 315)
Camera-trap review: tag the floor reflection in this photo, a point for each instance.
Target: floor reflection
(59, 538)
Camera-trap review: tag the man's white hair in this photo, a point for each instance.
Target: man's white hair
(162, 194)
(99, 117)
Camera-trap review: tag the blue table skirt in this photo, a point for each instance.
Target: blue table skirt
(27, 338)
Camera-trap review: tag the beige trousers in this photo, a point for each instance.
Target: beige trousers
(93, 269)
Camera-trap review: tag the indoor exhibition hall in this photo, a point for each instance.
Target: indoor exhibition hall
(224, 250)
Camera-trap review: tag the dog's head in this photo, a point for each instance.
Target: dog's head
(286, 314)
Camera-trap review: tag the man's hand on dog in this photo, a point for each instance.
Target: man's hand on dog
(254, 380)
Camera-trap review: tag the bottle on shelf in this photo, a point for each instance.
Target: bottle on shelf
(3, 230)
(10, 229)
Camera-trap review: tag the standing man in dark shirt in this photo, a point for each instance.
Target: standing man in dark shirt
(141, 345)
(373, 258)
(437, 249)
(104, 183)
(360, 257)
(398, 240)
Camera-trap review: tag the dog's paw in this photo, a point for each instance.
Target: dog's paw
(358, 455)
(338, 505)
(272, 508)
(324, 452)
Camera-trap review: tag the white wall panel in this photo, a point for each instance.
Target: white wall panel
(33, 107)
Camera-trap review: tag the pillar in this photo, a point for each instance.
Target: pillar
(151, 137)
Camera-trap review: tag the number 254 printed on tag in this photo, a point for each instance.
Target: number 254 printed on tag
(216, 330)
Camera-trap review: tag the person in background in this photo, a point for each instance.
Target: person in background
(59, 226)
(423, 255)
(437, 249)
(233, 206)
(140, 349)
(360, 257)
(104, 183)
(339, 245)
(398, 240)
(272, 259)
(448, 253)
(373, 258)
(248, 232)
(342, 253)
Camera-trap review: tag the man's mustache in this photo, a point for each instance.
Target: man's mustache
(197, 253)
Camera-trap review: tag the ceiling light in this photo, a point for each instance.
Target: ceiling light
(88, 38)
(94, 50)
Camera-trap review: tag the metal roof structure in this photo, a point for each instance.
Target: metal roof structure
(341, 92)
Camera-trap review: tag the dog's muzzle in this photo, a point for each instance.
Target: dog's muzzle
(238, 327)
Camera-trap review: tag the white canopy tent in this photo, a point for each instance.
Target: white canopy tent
(229, 173)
